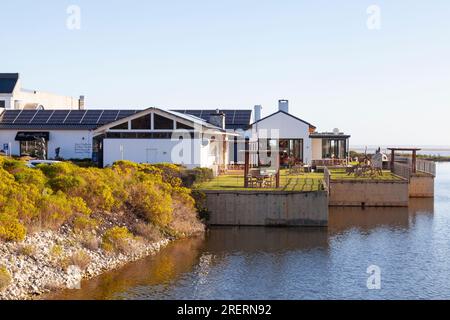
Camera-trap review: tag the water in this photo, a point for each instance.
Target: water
(410, 245)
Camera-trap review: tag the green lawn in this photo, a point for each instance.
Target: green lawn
(340, 174)
(304, 182)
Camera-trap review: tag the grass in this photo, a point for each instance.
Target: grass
(340, 174)
(299, 183)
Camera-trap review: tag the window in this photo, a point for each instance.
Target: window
(162, 123)
(142, 123)
(37, 149)
(184, 126)
(2, 104)
(334, 149)
(122, 126)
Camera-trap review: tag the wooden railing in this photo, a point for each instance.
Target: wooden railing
(329, 162)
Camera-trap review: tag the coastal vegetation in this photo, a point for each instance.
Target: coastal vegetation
(63, 193)
(57, 216)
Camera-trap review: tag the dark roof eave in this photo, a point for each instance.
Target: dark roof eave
(329, 136)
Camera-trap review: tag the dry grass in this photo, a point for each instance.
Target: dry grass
(27, 250)
(5, 278)
(80, 259)
(148, 231)
(91, 242)
(185, 221)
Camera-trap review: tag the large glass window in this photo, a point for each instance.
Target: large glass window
(334, 149)
(142, 123)
(162, 123)
(2, 104)
(291, 151)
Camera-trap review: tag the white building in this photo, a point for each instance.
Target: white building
(209, 138)
(13, 96)
(297, 140)
(144, 136)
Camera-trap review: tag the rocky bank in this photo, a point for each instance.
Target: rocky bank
(37, 265)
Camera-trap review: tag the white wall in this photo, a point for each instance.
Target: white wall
(74, 144)
(288, 128)
(8, 100)
(157, 151)
(316, 149)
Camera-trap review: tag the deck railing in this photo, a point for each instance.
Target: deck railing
(402, 170)
(329, 162)
(426, 166)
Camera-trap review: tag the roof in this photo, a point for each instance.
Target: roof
(234, 118)
(404, 149)
(8, 82)
(329, 135)
(60, 119)
(288, 114)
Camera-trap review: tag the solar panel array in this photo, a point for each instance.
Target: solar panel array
(89, 118)
(233, 118)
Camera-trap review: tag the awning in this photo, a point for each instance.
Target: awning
(32, 136)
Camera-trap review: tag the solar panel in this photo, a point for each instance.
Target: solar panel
(58, 117)
(91, 117)
(41, 117)
(108, 116)
(25, 116)
(9, 116)
(125, 113)
(74, 117)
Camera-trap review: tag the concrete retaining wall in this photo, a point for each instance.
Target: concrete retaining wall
(370, 193)
(421, 186)
(255, 208)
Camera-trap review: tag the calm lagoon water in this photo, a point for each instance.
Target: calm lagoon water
(410, 245)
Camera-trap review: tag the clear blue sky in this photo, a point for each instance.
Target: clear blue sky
(390, 86)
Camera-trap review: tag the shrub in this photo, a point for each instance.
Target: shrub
(80, 259)
(197, 175)
(5, 278)
(55, 210)
(11, 229)
(56, 251)
(148, 231)
(151, 202)
(91, 242)
(117, 239)
(84, 223)
(27, 250)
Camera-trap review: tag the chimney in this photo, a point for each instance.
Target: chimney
(217, 119)
(81, 103)
(258, 109)
(283, 105)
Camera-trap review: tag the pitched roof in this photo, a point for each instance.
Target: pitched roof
(234, 118)
(280, 111)
(60, 119)
(8, 82)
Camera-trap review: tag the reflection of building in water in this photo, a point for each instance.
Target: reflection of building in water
(421, 206)
(344, 218)
(251, 239)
